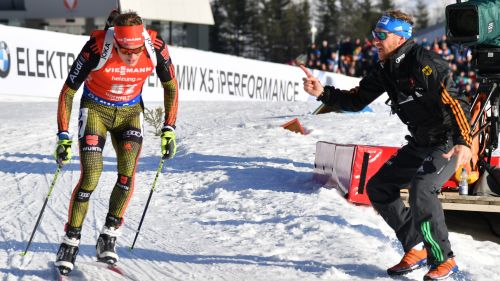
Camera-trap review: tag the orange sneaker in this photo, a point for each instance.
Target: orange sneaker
(442, 271)
(412, 260)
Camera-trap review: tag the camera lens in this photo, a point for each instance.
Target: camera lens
(463, 23)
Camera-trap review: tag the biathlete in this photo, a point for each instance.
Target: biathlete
(113, 65)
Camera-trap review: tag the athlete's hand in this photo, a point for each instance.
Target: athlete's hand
(168, 145)
(463, 154)
(63, 154)
(312, 86)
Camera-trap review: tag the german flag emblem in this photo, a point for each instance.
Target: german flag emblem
(427, 70)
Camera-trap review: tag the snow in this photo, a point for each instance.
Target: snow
(236, 203)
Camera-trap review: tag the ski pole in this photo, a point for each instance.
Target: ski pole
(158, 171)
(43, 208)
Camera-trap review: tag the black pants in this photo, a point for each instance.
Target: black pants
(423, 170)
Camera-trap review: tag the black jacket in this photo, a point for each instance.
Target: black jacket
(421, 92)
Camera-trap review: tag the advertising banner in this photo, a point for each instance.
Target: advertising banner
(37, 62)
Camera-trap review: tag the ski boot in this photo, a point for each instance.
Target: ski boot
(105, 247)
(66, 255)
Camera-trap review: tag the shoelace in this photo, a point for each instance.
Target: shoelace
(411, 257)
(446, 266)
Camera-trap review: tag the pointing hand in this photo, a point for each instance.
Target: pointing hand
(312, 86)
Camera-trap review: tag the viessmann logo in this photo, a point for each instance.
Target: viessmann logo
(126, 70)
(4, 59)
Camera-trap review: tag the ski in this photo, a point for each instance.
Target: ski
(77, 273)
(112, 267)
(73, 275)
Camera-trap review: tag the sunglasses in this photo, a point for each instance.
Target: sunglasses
(127, 51)
(380, 35)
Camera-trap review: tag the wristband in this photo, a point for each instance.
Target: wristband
(168, 128)
(63, 136)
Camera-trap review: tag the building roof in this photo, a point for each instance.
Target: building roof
(190, 11)
(185, 11)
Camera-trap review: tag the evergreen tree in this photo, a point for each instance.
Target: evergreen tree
(421, 15)
(328, 20)
(386, 5)
(368, 17)
(239, 27)
(234, 26)
(273, 30)
(284, 29)
(216, 31)
(299, 27)
(348, 18)
(273, 26)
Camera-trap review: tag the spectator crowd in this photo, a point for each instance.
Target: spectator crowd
(356, 57)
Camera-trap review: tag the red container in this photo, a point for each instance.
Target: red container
(340, 166)
(376, 157)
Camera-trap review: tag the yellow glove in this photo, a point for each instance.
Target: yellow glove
(168, 145)
(63, 154)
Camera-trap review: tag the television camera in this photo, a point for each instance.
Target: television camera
(476, 24)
